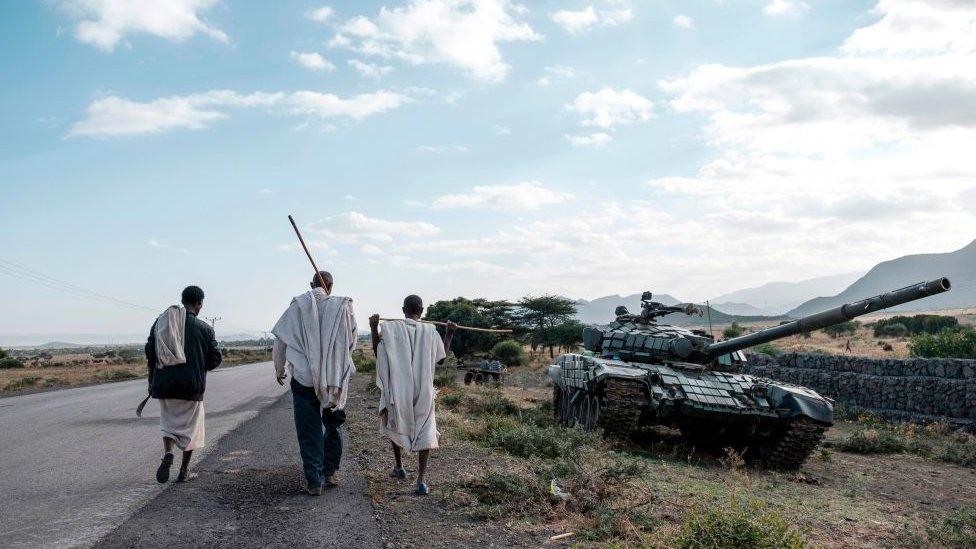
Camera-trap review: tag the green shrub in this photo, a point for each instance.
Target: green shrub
(509, 352)
(22, 383)
(958, 530)
(118, 375)
(364, 364)
(891, 330)
(735, 330)
(3, 354)
(844, 328)
(507, 494)
(945, 344)
(445, 377)
(870, 440)
(525, 441)
(737, 526)
(10, 362)
(767, 349)
(918, 324)
(492, 403)
(451, 401)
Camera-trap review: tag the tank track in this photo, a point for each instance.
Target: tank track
(621, 407)
(790, 448)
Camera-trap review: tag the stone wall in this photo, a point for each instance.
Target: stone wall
(918, 389)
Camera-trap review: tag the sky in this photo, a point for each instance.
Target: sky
(468, 147)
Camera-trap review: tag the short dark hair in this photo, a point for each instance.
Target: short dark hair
(326, 276)
(192, 295)
(413, 305)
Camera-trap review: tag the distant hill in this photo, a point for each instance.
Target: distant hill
(776, 298)
(739, 309)
(959, 266)
(60, 345)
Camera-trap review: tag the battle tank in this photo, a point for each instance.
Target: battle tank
(637, 373)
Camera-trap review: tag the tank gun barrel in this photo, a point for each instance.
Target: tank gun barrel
(830, 317)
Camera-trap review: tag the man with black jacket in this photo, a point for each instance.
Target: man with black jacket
(180, 351)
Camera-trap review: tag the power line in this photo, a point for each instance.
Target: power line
(17, 270)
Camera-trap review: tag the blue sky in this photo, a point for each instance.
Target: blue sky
(450, 147)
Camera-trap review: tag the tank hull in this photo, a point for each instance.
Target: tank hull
(720, 408)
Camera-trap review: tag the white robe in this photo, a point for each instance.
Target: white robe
(406, 357)
(170, 333)
(320, 330)
(183, 421)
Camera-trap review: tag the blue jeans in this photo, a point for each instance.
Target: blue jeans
(319, 439)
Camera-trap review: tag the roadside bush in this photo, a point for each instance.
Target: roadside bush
(492, 403)
(735, 330)
(364, 364)
(22, 383)
(451, 401)
(891, 330)
(918, 324)
(498, 494)
(509, 352)
(843, 329)
(945, 344)
(3, 354)
(118, 375)
(869, 440)
(445, 377)
(737, 526)
(934, 441)
(767, 349)
(10, 362)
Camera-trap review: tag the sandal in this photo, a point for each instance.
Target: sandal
(422, 489)
(162, 474)
(398, 473)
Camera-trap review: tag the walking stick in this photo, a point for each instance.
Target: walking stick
(322, 283)
(307, 253)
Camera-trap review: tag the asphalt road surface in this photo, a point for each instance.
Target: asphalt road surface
(76, 463)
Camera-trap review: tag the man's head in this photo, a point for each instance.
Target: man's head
(192, 299)
(413, 306)
(327, 277)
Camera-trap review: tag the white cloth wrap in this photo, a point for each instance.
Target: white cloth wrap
(183, 421)
(170, 333)
(406, 357)
(319, 331)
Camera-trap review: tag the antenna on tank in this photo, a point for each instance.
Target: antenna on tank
(708, 311)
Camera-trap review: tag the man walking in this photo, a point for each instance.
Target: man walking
(315, 337)
(406, 354)
(180, 351)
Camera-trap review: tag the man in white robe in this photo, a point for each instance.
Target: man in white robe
(181, 349)
(314, 338)
(407, 352)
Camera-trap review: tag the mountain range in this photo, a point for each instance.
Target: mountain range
(959, 266)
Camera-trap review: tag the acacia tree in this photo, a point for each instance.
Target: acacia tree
(541, 315)
(479, 313)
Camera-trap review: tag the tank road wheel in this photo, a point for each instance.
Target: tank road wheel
(556, 402)
(594, 414)
(623, 402)
(468, 378)
(790, 447)
(584, 411)
(479, 378)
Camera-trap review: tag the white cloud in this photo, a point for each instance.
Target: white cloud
(438, 149)
(501, 130)
(370, 70)
(608, 107)
(528, 195)
(371, 249)
(917, 26)
(266, 191)
(555, 72)
(782, 8)
(116, 116)
(575, 22)
(312, 61)
(357, 228)
(610, 14)
(462, 33)
(104, 23)
(683, 22)
(596, 139)
(320, 15)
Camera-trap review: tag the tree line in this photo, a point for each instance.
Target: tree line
(546, 321)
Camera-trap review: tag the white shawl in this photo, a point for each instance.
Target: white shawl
(322, 329)
(170, 333)
(406, 357)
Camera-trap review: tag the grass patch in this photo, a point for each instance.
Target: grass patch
(958, 530)
(506, 494)
(10, 362)
(737, 526)
(490, 402)
(22, 383)
(934, 441)
(118, 375)
(451, 401)
(767, 349)
(364, 364)
(445, 377)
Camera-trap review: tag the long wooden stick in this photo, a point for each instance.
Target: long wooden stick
(309, 254)
(459, 327)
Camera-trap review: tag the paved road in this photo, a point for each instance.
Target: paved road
(76, 463)
(250, 496)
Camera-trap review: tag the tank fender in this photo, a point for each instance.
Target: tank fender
(556, 375)
(791, 402)
(616, 371)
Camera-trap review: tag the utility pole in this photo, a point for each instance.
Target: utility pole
(213, 321)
